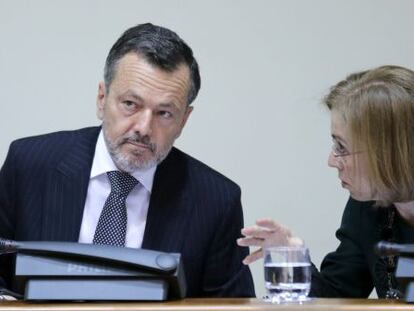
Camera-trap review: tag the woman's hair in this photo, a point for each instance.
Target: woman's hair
(378, 107)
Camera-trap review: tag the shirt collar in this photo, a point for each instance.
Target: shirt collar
(103, 163)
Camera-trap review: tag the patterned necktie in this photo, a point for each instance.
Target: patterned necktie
(112, 224)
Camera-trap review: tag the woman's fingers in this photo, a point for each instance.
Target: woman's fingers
(265, 233)
(267, 223)
(250, 241)
(257, 232)
(295, 241)
(273, 226)
(253, 257)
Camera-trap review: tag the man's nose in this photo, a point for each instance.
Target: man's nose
(143, 122)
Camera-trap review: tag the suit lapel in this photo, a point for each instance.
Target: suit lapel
(67, 185)
(66, 188)
(169, 207)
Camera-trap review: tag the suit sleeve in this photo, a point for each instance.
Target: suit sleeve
(225, 275)
(7, 213)
(345, 272)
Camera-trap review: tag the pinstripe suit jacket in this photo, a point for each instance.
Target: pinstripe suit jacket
(193, 209)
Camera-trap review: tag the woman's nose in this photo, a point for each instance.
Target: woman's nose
(335, 162)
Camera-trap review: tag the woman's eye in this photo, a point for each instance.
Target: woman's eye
(340, 149)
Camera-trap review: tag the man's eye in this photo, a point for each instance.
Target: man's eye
(128, 103)
(165, 114)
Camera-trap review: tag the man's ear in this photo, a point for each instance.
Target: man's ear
(186, 116)
(100, 100)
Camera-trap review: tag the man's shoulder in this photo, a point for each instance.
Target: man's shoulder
(59, 137)
(197, 170)
(48, 149)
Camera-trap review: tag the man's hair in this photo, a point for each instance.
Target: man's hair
(378, 108)
(160, 47)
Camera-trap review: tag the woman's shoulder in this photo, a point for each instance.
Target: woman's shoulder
(366, 209)
(365, 217)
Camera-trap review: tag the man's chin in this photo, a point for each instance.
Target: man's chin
(142, 163)
(132, 162)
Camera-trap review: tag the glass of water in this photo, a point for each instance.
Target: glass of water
(287, 273)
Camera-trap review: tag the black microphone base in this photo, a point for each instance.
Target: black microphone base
(405, 277)
(40, 277)
(89, 289)
(409, 293)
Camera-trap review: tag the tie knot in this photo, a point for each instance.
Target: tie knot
(121, 183)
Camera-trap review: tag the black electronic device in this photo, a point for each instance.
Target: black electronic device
(76, 271)
(405, 266)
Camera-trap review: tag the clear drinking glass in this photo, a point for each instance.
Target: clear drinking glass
(287, 273)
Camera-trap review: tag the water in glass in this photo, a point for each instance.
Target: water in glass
(287, 273)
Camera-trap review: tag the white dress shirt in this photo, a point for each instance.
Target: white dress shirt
(99, 188)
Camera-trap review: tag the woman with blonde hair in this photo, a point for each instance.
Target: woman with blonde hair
(372, 127)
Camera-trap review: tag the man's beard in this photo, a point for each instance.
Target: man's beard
(132, 162)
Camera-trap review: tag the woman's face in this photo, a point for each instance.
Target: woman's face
(351, 164)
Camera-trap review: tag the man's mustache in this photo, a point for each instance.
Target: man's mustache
(137, 138)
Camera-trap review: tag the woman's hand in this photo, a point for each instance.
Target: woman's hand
(266, 232)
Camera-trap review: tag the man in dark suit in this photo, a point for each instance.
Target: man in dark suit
(61, 186)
